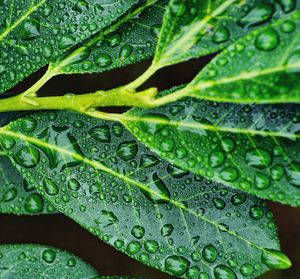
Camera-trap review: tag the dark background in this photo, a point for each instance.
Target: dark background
(62, 232)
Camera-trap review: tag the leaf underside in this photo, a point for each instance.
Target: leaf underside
(254, 148)
(36, 32)
(96, 173)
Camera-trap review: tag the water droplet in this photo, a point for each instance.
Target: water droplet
(166, 230)
(158, 192)
(167, 145)
(176, 265)
(148, 161)
(293, 174)
(218, 203)
(78, 56)
(247, 269)
(107, 219)
(221, 35)
(133, 247)
(261, 181)
(224, 272)
(66, 41)
(8, 142)
(259, 14)
(125, 51)
(176, 172)
(275, 259)
(210, 253)
(28, 124)
(293, 62)
(81, 6)
(138, 232)
(267, 40)
(103, 60)
(101, 133)
(287, 5)
(9, 195)
(216, 159)
(258, 158)
(73, 184)
(127, 150)
(288, 26)
(49, 256)
(29, 29)
(50, 187)
(114, 40)
(151, 246)
(238, 199)
(256, 213)
(229, 174)
(34, 204)
(27, 157)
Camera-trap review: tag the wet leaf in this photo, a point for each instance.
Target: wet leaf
(193, 29)
(27, 261)
(96, 173)
(35, 32)
(262, 67)
(254, 148)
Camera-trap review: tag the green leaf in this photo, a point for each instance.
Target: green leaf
(134, 41)
(35, 32)
(27, 261)
(254, 148)
(263, 67)
(196, 28)
(96, 173)
(16, 195)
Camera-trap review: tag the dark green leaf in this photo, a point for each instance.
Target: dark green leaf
(95, 172)
(133, 42)
(28, 261)
(252, 148)
(196, 28)
(35, 32)
(16, 195)
(263, 67)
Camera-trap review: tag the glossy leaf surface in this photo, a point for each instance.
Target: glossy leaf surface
(16, 195)
(132, 42)
(35, 32)
(193, 29)
(27, 261)
(252, 148)
(263, 67)
(96, 173)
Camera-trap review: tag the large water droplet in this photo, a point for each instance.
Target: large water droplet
(107, 219)
(27, 157)
(166, 230)
(101, 133)
(103, 60)
(29, 29)
(221, 35)
(224, 272)
(148, 161)
(293, 62)
(176, 172)
(66, 41)
(287, 5)
(268, 40)
(9, 195)
(259, 14)
(256, 213)
(293, 174)
(49, 256)
(176, 265)
(151, 246)
(158, 192)
(258, 158)
(50, 187)
(210, 253)
(138, 232)
(33, 204)
(275, 259)
(127, 150)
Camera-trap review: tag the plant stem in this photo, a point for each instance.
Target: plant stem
(80, 103)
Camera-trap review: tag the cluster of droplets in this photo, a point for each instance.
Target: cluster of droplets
(135, 190)
(132, 42)
(48, 32)
(251, 163)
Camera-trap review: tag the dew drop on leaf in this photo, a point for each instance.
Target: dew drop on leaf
(50, 187)
(210, 253)
(176, 265)
(275, 259)
(29, 29)
(224, 272)
(268, 40)
(138, 231)
(293, 173)
(27, 157)
(34, 204)
(127, 150)
(258, 158)
(256, 213)
(49, 256)
(101, 133)
(103, 60)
